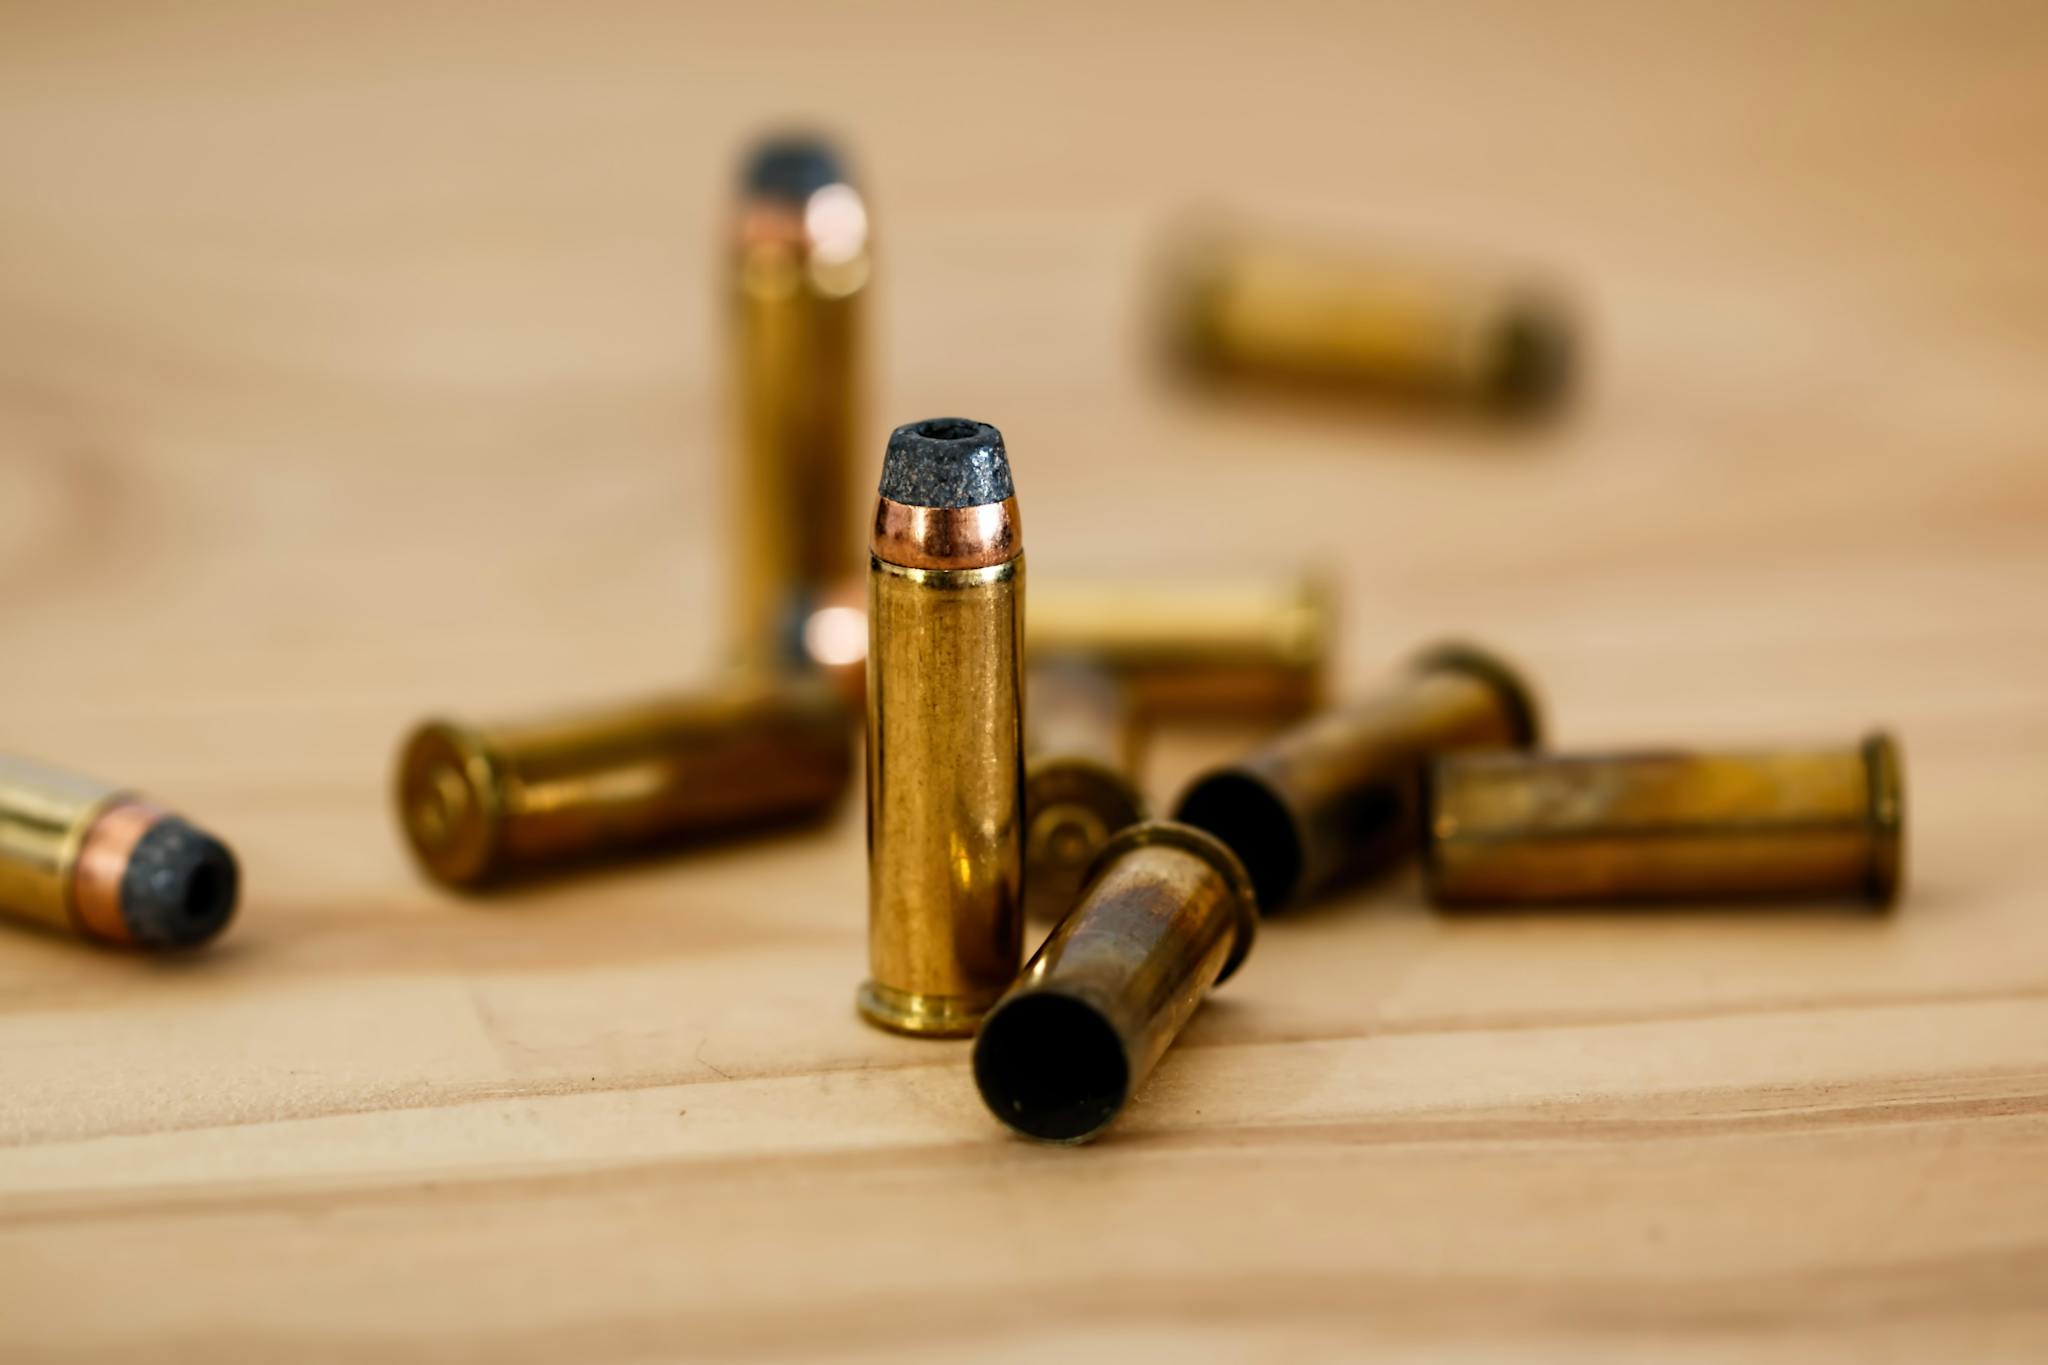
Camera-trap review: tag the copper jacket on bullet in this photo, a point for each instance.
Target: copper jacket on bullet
(800, 270)
(1336, 797)
(1659, 826)
(87, 858)
(945, 731)
(1167, 914)
(1081, 743)
(481, 803)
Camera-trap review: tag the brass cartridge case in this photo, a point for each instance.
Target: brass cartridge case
(1260, 308)
(1661, 826)
(1255, 647)
(484, 803)
(945, 732)
(90, 859)
(1081, 743)
(1337, 797)
(1168, 914)
(800, 270)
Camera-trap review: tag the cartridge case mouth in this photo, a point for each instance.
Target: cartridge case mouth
(1053, 1066)
(1264, 832)
(946, 537)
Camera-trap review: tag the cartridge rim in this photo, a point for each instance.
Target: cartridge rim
(1518, 699)
(1209, 848)
(1882, 761)
(921, 1016)
(448, 802)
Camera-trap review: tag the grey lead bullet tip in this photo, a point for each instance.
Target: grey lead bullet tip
(946, 462)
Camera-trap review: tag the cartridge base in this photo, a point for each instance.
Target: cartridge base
(921, 1016)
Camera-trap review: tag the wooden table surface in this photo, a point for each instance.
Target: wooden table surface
(360, 361)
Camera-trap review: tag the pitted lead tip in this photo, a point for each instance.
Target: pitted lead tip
(946, 462)
(180, 886)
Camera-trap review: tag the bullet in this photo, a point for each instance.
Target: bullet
(1337, 797)
(1667, 825)
(1081, 742)
(1247, 306)
(1250, 647)
(800, 270)
(94, 860)
(945, 731)
(1168, 914)
(485, 803)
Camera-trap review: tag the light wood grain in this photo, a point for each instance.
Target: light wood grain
(363, 360)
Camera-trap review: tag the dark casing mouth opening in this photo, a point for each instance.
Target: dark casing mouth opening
(1052, 1067)
(1255, 825)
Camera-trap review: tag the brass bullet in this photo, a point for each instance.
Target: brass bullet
(1337, 797)
(945, 731)
(1250, 647)
(484, 803)
(1168, 914)
(1261, 308)
(1667, 825)
(800, 270)
(90, 859)
(1081, 742)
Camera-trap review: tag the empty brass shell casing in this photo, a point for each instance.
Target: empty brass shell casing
(1254, 647)
(1337, 796)
(945, 731)
(1167, 914)
(1081, 743)
(483, 803)
(800, 271)
(1276, 310)
(1659, 826)
(90, 859)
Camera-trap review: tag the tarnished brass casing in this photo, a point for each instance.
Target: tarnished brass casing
(945, 732)
(1254, 647)
(1276, 310)
(1337, 796)
(1081, 742)
(800, 271)
(91, 859)
(481, 803)
(1660, 826)
(1167, 914)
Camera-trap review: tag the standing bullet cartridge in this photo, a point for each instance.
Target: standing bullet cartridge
(1255, 647)
(945, 731)
(485, 803)
(801, 269)
(1276, 311)
(104, 864)
(1167, 914)
(1661, 826)
(1337, 797)
(1081, 742)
